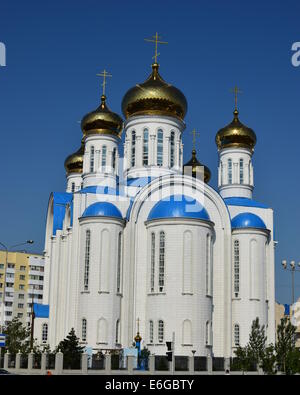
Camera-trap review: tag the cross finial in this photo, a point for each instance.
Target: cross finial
(236, 91)
(155, 39)
(194, 133)
(104, 74)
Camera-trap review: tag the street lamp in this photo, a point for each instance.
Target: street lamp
(292, 269)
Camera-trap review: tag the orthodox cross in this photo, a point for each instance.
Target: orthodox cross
(236, 91)
(194, 133)
(104, 74)
(155, 39)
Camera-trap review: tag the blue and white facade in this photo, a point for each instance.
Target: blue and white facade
(144, 243)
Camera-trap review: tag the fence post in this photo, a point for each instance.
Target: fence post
(191, 365)
(43, 361)
(30, 360)
(84, 363)
(6, 358)
(18, 360)
(209, 365)
(108, 364)
(151, 364)
(59, 360)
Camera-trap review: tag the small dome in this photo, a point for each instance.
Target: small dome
(236, 135)
(102, 209)
(194, 163)
(74, 162)
(154, 97)
(247, 220)
(102, 121)
(178, 206)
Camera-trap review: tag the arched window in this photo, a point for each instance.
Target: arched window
(133, 137)
(229, 171)
(207, 265)
(119, 263)
(236, 273)
(172, 148)
(160, 146)
(161, 331)
(151, 332)
(152, 268)
(73, 187)
(87, 260)
(207, 333)
(145, 147)
(83, 329)
(113, 160)
(161, 272)
(92, 159)
(118, 331)
(241, 171)
(236, 335)
(103, 162)
(44, 333)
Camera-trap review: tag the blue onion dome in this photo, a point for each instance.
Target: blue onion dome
(74, 162)
(178, 206)
(102, 209)
(154, 97)
(236, 135)
(247, 220)
(195, 164)
(102, 121)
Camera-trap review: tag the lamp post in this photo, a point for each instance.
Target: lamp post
(292, 269)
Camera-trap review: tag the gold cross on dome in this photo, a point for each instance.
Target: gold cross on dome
(236, 91)
(104, 74)
(155, 39)
(194, 133)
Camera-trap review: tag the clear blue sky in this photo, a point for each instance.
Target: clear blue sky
(55, 49)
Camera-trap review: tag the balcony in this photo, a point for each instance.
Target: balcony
(35, 282)
(9, 289)
(36, 272)
(10, 270)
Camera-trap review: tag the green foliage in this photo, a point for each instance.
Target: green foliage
(268, 360)
(72, 350)
(17, 337)
(257, 342)
(243, 359)
(285, 352)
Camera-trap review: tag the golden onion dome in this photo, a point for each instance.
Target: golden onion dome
(236, 135)
(154, 97)
(74, 162)
(196, 167)
(102, 121)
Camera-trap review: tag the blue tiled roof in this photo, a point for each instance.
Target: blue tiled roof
(242, 201)
(60, 201)
(178, 206)
(247, 220)
(102, 209)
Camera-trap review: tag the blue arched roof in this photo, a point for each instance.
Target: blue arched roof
(247, 220)
(102, 209)
(178, 206)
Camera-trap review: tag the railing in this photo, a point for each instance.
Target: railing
(114, 365)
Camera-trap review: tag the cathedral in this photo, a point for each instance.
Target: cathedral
(142, 244)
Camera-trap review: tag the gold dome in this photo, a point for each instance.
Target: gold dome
(154, 97)
(74, 162)
(102, 121)
(236, 135)
(194, 163)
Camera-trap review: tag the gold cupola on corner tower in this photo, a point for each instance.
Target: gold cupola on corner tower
(74, 162)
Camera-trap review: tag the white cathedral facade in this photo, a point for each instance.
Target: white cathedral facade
(146, 244)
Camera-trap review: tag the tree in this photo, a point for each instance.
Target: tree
(268, 361)
(243, 359)
(17, 337)
(72, 350)
(285, 354)
(257, 342)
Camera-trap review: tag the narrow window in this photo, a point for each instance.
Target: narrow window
(236, 267)
(114, 158)
(73, 187)
(152, 274)
(241, 171)
(87, 260)
(117, 331)
(161, 280)
(119, 263)
(133, 148)
(229, 171)
(45, 333)
(207, 333)
(207, 268)
(145, 147)
(92, 159)
(83, 330)
(160, 137)
(160, 331)
(151, 332)
(172, 148)
(236, 335)
(103, 163)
